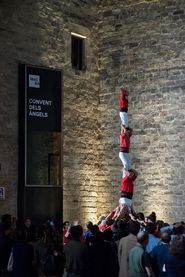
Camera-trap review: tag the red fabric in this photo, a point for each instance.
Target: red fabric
(123, 102)
(127, 183)
(124, 140)
(102, 227)
(65, 239)
(157, 234)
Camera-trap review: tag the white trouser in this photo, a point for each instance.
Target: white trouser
(124, 118)
(125, 201)
(124, 157)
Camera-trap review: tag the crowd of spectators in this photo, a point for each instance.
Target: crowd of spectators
(30, 251)
(129, 247)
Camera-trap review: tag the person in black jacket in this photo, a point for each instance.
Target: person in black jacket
(76, 254)
(23, 256)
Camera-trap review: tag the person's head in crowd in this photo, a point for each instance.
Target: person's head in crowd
(165, 237)
(66, 225)
(152, 217)
(101, 218)
(103, 222)
(27, 223)
(122, 230)
(96, 236)
(134, 227)
(75, 223)
(159, 224)
(95, 229)
(142, 238)
(89, 225)
(76, 232)
(150, 228)
(140, 216)
(103, 225)
(178, 229)
(51, 225)
(177, 247)
(30, 230)
(6, 219)
(48, 236)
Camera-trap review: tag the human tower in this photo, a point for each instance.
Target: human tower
(129, 174)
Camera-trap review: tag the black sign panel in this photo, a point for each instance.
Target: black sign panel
(43, 99)
(40, 143)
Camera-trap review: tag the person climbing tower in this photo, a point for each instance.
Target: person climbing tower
(125, 135)
(124, 107)
(125, 209)
(127, 188)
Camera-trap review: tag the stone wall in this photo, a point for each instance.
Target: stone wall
(38, 33)
(138, 45)
(142, 48)
(81, 119)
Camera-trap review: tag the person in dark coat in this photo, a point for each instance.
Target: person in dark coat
(29, 230)
(76, 254)
(112, 247)
(159, 255)
(101, 256)
(23, 256)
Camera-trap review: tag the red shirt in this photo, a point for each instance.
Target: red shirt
(66, 239)
(127, 184)
(124, 141)
(102, 227)
(123, 102)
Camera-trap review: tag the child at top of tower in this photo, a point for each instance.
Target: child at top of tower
(125, 135)
(123, 102)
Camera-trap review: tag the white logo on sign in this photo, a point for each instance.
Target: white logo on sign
(34, 81)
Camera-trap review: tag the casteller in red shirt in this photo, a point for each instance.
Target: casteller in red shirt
(125, 139)
(123, 100)
(127, 185)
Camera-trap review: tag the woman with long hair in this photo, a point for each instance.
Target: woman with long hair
(47, 254)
